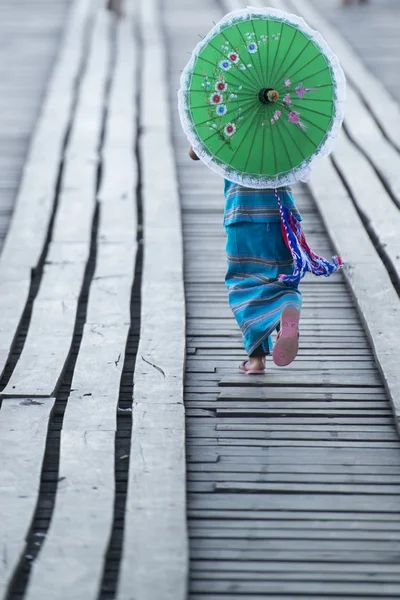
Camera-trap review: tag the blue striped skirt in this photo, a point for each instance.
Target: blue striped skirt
(257, 254)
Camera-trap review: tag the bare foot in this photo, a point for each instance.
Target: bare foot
(253, 366)
(256, 363)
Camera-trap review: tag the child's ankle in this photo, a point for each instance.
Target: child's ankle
(257, 362)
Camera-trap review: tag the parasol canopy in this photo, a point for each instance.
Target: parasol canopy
(261, 99)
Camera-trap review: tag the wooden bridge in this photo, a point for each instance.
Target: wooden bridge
(136, 463)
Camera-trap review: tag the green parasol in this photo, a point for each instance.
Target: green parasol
(262, 98)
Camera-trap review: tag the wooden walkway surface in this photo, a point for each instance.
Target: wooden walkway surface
(30, 32)
(372, 29)
(293, 479)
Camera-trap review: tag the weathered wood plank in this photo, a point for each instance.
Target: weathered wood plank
(221, 365)
(307, 488)
(83, 512)
(367, 135)
(278, 455)
(381, 215)
(329, 394)
(155, 554)
(247, 441)
(35, 199)
(287, 527)
(23, 431)
(298, 502)
(293, 478)
(82, 521)
(270, 586)
(219, 569)
(49, 339)
(308, 378)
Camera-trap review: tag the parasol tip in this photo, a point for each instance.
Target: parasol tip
(268, 95)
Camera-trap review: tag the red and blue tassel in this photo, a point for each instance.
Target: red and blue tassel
(304, 259)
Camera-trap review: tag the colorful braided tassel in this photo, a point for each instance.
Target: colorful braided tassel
(303, 257)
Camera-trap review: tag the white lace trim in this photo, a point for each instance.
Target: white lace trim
(300, 173)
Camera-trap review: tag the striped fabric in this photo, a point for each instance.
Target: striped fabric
(257, 254)
(255, 206)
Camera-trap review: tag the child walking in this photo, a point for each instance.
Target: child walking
(267, 255)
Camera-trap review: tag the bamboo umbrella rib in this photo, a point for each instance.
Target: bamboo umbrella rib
(262, 149)
(283, 122)
(280, 73)
(284, 144)
(258, 112)
(273, 147)
(298, 56)
(314, 75)
(292, 75)
(276, 53)
(251, 120)
(258, 56)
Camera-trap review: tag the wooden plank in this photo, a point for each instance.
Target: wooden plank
(380, 213)
(298, 502)
(231, 574)
(81, 524)
(295, 571)
(307, 488)
(282, 527)
(221, 365)
(247, 467)
(208, 596)
(23, 431)
(306, 379)
(155, 554)
(247, 441)
(368, 137)
(346, 519)
(330, 394)
(236, 411)
(302, 478)
(270, 586)
(34, 203)
(84, 495)
(278, 455)
(49, 339)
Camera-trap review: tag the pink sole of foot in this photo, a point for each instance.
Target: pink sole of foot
(287, 346)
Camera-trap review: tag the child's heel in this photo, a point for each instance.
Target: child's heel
(287, 343)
